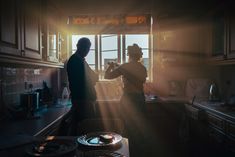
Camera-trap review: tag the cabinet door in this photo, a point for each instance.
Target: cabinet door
(231, 35)
(9, 28)
(31, 29)
(53, 45)
(219, 35)
(216, 122)
(231, 129)
(52, 37)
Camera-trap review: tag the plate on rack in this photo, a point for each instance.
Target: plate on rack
(54, 147)
(100, 139)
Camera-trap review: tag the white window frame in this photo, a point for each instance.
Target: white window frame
(121, 52)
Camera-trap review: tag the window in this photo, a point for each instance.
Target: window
(113, 47)
(108, 50)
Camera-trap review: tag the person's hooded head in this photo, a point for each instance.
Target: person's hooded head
(134, 52)
(83, 47)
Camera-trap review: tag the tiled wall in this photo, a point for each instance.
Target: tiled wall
(16, 80)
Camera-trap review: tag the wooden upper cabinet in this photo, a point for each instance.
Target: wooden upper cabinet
(53, 46)
(231, 35)
(31, 28)
(51, 43)
(9, 28)
(21, 34)
(20, 31)
(51, 34)
(219, 35)
(223, 36)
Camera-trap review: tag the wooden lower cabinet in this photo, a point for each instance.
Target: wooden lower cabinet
(222, 130)
(217, 135)
(216, 122)
(231, 129)
(210, 132)
(231, 134)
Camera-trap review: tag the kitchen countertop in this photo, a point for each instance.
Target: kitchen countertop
(169, 99)
(51, 115)
(152, 99)
(16, 134)
(218, 108)
(44, 118)
(47, 117)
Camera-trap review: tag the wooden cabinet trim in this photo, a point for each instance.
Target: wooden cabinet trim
(216, 121)
(25, 62)
(231, 38)
(231, 129)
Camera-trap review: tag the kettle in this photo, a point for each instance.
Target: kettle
(213, 92)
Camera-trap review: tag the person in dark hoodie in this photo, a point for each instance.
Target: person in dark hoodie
(82, 80)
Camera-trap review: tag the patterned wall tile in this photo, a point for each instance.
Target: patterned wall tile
(15, 81)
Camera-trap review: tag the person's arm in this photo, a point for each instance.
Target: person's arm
(112, 73)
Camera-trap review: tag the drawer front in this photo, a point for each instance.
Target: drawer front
(231, 144)
(216, 122)
(217, 135)
(231, 129)
(192, 112)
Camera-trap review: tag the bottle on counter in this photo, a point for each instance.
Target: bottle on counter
(65, 95)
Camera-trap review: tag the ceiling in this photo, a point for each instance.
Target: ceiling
(164, 8)
(71, 7)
